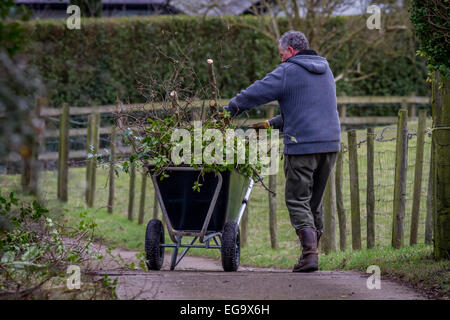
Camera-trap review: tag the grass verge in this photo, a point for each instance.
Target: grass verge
(411, 264)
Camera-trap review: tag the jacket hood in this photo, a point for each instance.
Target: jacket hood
(312, 63)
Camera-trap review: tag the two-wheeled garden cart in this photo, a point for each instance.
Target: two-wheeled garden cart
(211, 214)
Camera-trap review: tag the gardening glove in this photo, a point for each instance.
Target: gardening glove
(260, 125)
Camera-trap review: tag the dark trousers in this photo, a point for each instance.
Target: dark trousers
(306, 178)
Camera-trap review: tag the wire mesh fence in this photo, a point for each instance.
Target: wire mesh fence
(77, 180)
(384, 175)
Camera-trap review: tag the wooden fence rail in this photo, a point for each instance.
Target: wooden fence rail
(343, 103)
(345, 100)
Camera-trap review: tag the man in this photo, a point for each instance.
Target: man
(304, 86)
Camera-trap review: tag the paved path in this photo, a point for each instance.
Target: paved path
(203, 278)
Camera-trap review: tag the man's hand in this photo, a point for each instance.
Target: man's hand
(260, 125)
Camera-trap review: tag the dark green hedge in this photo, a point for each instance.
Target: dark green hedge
(108, 58)
(431, 27)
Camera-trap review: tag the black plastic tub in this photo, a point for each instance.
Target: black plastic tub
(187, 208)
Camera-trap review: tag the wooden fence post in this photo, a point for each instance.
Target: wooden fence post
(405, 106)
(142, 200)
(34, 144)
(37, 147)
(244, 227)
(92, 148)
(440, 104)
(401, 158)
(329, 206)
(370, 196)
(96, 142)
(342, 109)
(273, 211)
(429, 217)
(354, 190)
(340, 202)
(196, 114)
(26, 169)
(272, 199)
(418, 177)
(63, 154)
(112, 164)
(131, 190)
(88, 161)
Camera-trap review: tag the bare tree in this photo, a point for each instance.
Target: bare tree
(325, 35)
(313, 17)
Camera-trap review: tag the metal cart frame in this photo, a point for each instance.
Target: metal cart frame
(204, 237)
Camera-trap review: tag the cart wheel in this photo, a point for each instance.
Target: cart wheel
(231, 246)
(154, 237)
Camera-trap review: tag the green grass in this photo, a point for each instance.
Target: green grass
(413, 264)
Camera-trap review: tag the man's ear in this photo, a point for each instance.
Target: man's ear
(291, 50)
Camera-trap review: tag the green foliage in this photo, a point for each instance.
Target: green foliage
(107, 282)
(12, 33)
(21, 248)
(110, 58)
(33, 251)
(159, 146)
(431, 25)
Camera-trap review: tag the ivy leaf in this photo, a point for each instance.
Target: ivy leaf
(133, 157)
(8, 257)
(197, 186)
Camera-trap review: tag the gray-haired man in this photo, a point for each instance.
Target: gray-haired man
(304, 86)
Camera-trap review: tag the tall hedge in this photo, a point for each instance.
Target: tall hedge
(431, 24)
(108, 58)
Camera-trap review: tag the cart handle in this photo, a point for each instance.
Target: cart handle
(245, 200)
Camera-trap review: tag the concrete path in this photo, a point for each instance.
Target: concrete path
(203, 278)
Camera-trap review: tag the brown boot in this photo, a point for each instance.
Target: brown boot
(309, 260)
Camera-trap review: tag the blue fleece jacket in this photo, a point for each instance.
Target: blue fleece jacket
(305, 89)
